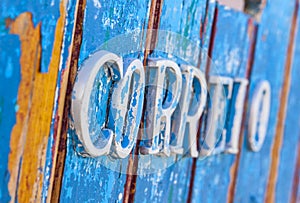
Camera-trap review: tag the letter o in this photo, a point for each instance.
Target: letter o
(259, 116)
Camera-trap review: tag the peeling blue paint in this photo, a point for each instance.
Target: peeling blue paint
(65, 54)
(208, 183)
(88, 178)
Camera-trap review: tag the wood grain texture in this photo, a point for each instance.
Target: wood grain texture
(252, 34)
(150, 43)
(55, 155)
(50, 41)
(38, 127)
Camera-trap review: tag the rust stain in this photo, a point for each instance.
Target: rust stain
(35, 97)
(64, 103)
(277, 144)
(296, 178)
(153, 26)
(150, 44)
(202, 121)
(192, 179)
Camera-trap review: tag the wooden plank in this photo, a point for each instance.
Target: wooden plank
(151, 39)
(254, 168)
(40, 34)
(85, 179)
(291, 134)
(281, 124)
(55, 150)
(170, 184)
(230, 57)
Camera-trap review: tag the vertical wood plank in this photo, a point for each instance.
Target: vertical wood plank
(268, 65)
(151, 40)
(85, 179)
(288, 152)
(40, 30)
(171, 184)
(55, 154)
(230, 54)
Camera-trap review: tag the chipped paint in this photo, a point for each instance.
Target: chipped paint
(35, 103)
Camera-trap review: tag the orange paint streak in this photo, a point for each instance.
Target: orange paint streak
(31, 179)
(29, 137)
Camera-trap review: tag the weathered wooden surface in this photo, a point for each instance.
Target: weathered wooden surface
(43, 44)
(254, 168)
(235, 40)
(287, 172)
(85, 179)
(39, 27)
(186, 18)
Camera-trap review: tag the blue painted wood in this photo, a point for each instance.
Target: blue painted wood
(171, 184)
(85, 179)
(10, 75)
(229, 58)
(289, 149)
(46, 14)
(273, 34)
(181, 174)
(64, 64)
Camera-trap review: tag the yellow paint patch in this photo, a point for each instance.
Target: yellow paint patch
(30, 41)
